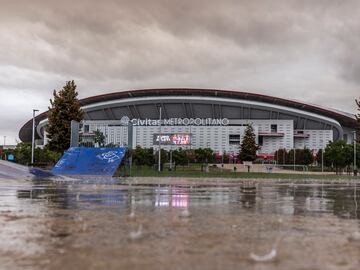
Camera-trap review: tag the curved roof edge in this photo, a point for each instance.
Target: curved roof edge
(344, 118)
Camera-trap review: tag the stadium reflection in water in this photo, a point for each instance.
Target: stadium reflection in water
(213, 224)
(281, 197)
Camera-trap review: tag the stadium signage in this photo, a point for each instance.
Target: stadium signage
(176, 121)
(172, 139)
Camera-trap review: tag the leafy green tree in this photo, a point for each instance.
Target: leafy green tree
(319, 156)
(204, 155)
(281, 156)
(22, 153)
(190, 155)
(45, 156)
(338, 155)
(143, 156)
(111, 145)
(290, 157)
(99, 138)
(225, 157)
(164, 156)
(307, 157)
(248, 146)
(64, 107)
(302, 157)
(179, 156)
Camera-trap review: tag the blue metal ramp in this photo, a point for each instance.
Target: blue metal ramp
(90, 161)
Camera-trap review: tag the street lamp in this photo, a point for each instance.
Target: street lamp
(355, 167)
(294, 158)
(33, 137)
(170, 157)
(159, 167)
(322, 152)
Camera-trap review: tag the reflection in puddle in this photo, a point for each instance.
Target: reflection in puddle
(309, 198)
(171, 197)
(215, 224)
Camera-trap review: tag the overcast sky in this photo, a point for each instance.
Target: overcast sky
(305, 50)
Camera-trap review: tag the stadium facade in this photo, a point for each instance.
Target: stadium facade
(200, 118)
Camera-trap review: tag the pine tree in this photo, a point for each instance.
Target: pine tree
(65, 107)
(248, 145)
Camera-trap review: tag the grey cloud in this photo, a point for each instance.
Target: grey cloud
(306, 50)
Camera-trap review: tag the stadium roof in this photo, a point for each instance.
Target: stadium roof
(345, 119)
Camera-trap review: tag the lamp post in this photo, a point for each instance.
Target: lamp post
(33, 137)
(355, 167)
(171, 158)
(322, 160)
(159, 167)
(322, 153)
(294, 157)
(3, 149)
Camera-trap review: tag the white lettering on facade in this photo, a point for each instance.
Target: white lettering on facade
(181, 122)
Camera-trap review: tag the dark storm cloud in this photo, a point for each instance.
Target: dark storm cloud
(300, 49)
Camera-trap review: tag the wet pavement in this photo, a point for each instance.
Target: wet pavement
(173, 223)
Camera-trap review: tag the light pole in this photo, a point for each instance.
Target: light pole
(322, 160)
(33, 137)
(159, 168)
(294, 157)
(322, 153)
(4, 141)
(171, 158)
(355, 167)
(1, 156)
(222, 160)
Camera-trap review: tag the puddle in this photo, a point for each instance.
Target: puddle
(169, 223)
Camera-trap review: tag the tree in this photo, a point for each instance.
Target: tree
(281, 156)
(65, 107)
(338, 155)
(307, 157)
(143, 156)
(190, 155)
(248, 145)
(179, 156)
(204, 155)
(319, 155)
(22, 153)
(99, 138)
(164, 156)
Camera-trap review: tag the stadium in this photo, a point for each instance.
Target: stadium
(205, 118)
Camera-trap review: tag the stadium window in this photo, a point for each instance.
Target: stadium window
(261, 140)
(234, 138)
(273, 128)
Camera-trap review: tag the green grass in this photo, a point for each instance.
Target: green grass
(195, 172)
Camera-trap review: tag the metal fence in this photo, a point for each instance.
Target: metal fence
(99, 134)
